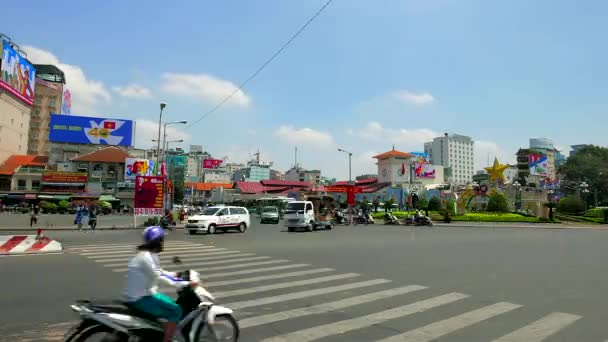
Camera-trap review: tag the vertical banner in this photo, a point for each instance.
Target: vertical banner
(149, 195)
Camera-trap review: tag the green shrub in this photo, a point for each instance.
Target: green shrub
(422, 203)
(25, 210)
(495, 217)
(498, 203)
(595, 212)
(571, 205)
(51, 208)
(435, 203)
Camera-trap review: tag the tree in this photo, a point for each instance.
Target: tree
(590, 165)
(498, 203)
(434, 204)
(423, 203)
(571, 205)
(63, 206)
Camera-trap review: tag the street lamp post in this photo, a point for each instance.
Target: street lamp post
(475, 186)
(584, 190)
(350, 155)
(517, 196)
(163, 105)
(183, 122)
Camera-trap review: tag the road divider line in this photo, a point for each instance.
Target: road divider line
(166, 250)
(268, 277)
(326, 307)
(225, 267)
(166, 253)
(540, 329)
(347, 325)
(304, 294)
(255, 270)
(441, 328)
(191, 257)
(285, 285)
(118, 246)
(127, 257)
(204, 262)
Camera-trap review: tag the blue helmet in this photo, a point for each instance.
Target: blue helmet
(153, 233)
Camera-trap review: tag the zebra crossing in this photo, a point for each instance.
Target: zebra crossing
(270, 295)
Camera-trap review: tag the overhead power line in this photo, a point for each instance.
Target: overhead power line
(264, 65)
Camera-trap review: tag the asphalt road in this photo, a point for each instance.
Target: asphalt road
(361, 283)
(18, 222)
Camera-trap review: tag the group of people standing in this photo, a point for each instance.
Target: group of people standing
(86, 217)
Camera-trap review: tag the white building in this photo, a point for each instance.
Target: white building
(398, 168)
(216, 177)
(456, 152)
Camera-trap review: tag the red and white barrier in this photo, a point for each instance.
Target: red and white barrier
(28, 244)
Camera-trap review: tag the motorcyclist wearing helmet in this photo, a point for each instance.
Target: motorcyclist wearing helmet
(143, 276)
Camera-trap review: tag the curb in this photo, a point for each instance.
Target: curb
(28, 244)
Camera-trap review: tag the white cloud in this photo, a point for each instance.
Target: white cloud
(204, 87)
(407, 139)
(146, 130)
(486, 151)
(417, 99)
(86, 93)
(134, 91)
(304, 136)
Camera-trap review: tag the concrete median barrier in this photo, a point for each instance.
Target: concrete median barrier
(28, 244)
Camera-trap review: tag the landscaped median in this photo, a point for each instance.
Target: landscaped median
(498, 217)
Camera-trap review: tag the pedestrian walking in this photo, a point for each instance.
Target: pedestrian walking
(93, 218)
(34, 215)
(84, 217)
(78, 219)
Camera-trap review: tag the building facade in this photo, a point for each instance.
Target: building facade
(49, 94)
(14, 126)
(456, 152)
(298, 174)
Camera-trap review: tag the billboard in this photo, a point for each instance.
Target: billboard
(18, 74)
(421, 157)
(212, 163)
(149, 195)
(52, 85)
(138, 167)
(90, 130)
(66, 102)
(539, 165)
(64, 177)
(424, 170)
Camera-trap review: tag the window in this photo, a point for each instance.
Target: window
(21, 184)
(35, 185)
(52, 102)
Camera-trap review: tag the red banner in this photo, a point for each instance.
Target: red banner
(64, 177)
(212, 163)
(149, 195)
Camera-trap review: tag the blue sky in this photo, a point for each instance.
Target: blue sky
(364, 76)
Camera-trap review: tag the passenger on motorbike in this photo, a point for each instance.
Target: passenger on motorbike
(142, 282)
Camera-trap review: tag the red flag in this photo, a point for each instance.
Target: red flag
(403, 169)
(109, 125)
(212, 163)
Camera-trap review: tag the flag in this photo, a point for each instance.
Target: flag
(109, 125)
(212, 163)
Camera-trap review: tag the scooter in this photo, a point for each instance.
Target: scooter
(166, 224)
(119, 322)
(389, 218)
(418, 221)
(339, 216)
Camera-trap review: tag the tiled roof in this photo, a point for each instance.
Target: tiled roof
(393, 153)
(110, 154)
(250, 187)
(284, 183)
(208, 186)
(15, 161)
(374, 187)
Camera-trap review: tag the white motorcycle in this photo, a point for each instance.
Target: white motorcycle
(117, 321)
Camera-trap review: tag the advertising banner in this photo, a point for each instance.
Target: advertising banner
(539, 165)
(90, 130)
(149, 195)
(138, 167)
(52, 85)
(212, 163)
(66, 102)
(425, 170)
(421, 157)
(18, 75)
(64, 177)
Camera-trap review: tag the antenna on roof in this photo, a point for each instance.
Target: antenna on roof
(393, 147)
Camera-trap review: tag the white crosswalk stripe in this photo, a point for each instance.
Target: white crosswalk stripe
(266, 285)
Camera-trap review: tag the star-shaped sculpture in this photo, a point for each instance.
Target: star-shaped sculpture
(496, 171)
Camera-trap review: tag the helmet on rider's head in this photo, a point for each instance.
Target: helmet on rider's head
(153, 233)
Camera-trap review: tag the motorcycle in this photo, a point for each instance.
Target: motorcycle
(202, 320)
(389, 218)
(166, 223)
(339, 217)
(418, 221)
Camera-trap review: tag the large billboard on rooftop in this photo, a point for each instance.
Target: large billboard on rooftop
(90, 130)
(18, 74)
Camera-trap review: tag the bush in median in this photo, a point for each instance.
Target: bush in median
(571, 205)
(495, 217)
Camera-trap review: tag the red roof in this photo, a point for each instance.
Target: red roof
(250, 187)
(284, 183)
(15, 161)
(393, 153)
(359, 182)
(111, 154)
(208, 186)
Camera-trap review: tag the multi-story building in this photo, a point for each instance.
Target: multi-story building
(216, 177)
(298, 174)
(456, 152)
(276, 175)
(256, 170)
(576, 148)
(49, 94)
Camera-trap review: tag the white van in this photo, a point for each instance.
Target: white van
(301, 214)
(222, 218)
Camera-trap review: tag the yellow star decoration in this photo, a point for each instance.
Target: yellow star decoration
(496, 171)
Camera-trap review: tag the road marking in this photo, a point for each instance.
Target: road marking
(165, 251)
(225, 267)
(304, 294)
(326, 307)
(435, 330)
(540, 329)
(127, 257)
(123, 246)
(204, 261)
(255, 270)
(184, 260)
(347, 325)
(268, 277)
(284, 285)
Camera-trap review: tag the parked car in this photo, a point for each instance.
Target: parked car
(219, 218)
(270, 215)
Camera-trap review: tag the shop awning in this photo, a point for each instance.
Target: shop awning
(108, 198)
(45, 197)
(61, 198)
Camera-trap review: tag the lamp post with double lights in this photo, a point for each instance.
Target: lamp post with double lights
(584, 191)
(165, 146)
(475, 186)
(163, 105)
(350, 181)
(517, 186)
